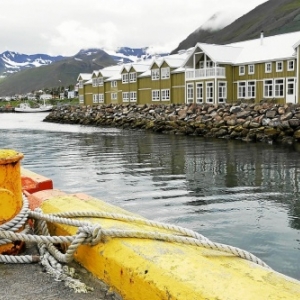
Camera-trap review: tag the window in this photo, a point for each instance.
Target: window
(100, 81)
(251, 69)
(209, 92)
(241, 90)
(268, 67)
(165, 73)
(132, 77)
(155, 95)
(132, 96)
(291, 65)
(279, 87)
(81, 99)
(114, 96)
(201, 64)
(251, 89)
(95, 82)
(165, 95)
(95, 98)
(101, 98)
(209, 64)
(279, 66)
(113, 84)
(80, 84)
(241, 70)
(199, 92)
(190, 93)
(155, 74)
(125, 78)
(222, 92)
(268, 88)
(125, 97)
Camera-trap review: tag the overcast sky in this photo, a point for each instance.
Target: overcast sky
(63, 27)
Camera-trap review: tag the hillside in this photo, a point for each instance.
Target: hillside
(273, 17)
(60, 73)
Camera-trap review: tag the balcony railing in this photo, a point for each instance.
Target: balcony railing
(218, 72)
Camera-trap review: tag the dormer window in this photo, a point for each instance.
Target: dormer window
(165, 73)
(132, 77)
(155, 74)
(125, 78)
(95, 82)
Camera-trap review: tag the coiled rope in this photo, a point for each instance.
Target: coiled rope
(89, 233)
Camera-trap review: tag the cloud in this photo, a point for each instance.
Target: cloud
(64, 27)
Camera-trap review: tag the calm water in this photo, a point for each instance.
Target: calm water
(246, 195)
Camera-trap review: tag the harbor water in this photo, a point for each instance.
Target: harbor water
(243, 194)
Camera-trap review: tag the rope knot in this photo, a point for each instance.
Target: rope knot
(93, 234)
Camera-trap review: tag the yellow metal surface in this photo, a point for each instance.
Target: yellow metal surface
(10, 184)
(155, 270)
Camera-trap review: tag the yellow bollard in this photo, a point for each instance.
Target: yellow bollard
(10, 187)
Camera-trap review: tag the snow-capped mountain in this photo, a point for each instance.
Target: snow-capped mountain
(127, 54)
(12, 62)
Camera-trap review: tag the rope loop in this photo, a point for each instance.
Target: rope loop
(90, 234)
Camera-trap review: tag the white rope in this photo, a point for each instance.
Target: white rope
(89, 233)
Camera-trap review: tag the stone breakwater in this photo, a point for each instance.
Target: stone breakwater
(248, 122)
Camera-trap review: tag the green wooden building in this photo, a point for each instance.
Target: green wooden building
(266, 68)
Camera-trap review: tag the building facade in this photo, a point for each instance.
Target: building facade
(265, 69)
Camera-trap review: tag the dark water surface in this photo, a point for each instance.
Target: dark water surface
(245, 195)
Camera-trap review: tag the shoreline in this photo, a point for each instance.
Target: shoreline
(248, 122)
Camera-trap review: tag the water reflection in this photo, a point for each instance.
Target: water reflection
(242, 194)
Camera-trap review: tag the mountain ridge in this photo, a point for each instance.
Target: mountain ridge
(273, 17)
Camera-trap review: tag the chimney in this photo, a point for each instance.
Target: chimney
(261, 37)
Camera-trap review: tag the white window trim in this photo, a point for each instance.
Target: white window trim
(155, 95)
(209, 85)
(125, 96)
(80, 84)
(100, 81)
(95, 82)
(113, 83)
(132, 77)
(101, 98)
(165, 73)
(224, 91)
(155, 74)
(165, 95)
(277, 66)
(274, 87)
(241, 70)
(288, 65)
(81, 99)
(199, 85)
(264, 88)
(125, 78)
(189, 87)
(251, 72)
(248, 95)
(133, 97)
(241, 85)
(266, 67)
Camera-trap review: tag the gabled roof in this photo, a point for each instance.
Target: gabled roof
(110, 71)
(268, 48)
(84, 76)
(276, 47)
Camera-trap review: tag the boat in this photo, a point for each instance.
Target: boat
(26, 108)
